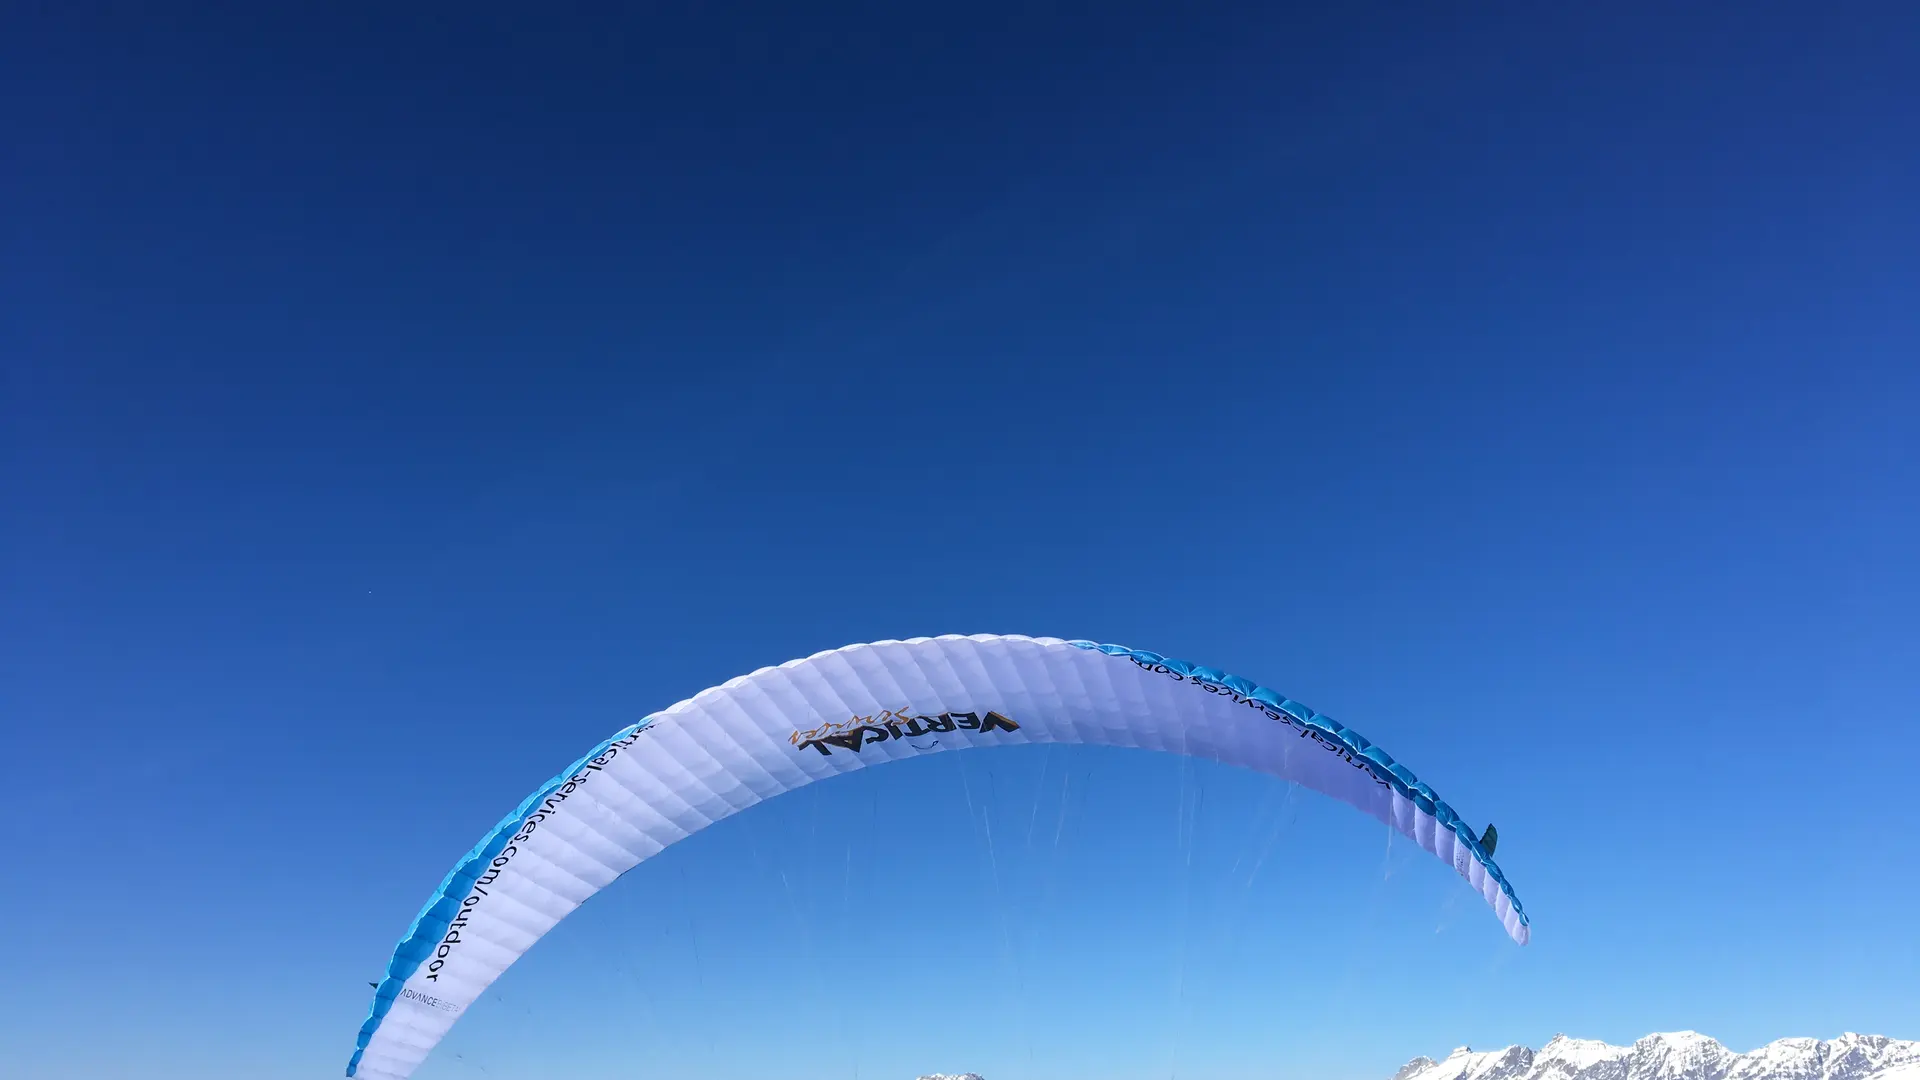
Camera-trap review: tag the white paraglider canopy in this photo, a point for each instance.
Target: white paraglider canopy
(730, 747)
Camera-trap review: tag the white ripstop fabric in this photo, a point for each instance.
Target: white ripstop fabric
(779, 728)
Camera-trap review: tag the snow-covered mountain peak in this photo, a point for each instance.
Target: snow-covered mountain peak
(1464, 1064)
(1417, 1065)
(1565, 1057)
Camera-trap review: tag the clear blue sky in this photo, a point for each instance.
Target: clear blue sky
(396, 404)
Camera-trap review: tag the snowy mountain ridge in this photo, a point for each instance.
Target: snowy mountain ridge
(1675, 1055)
(1680, 1055)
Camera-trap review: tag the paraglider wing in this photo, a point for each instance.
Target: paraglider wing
(757, 736)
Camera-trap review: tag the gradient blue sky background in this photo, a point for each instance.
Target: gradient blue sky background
(397, 403)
